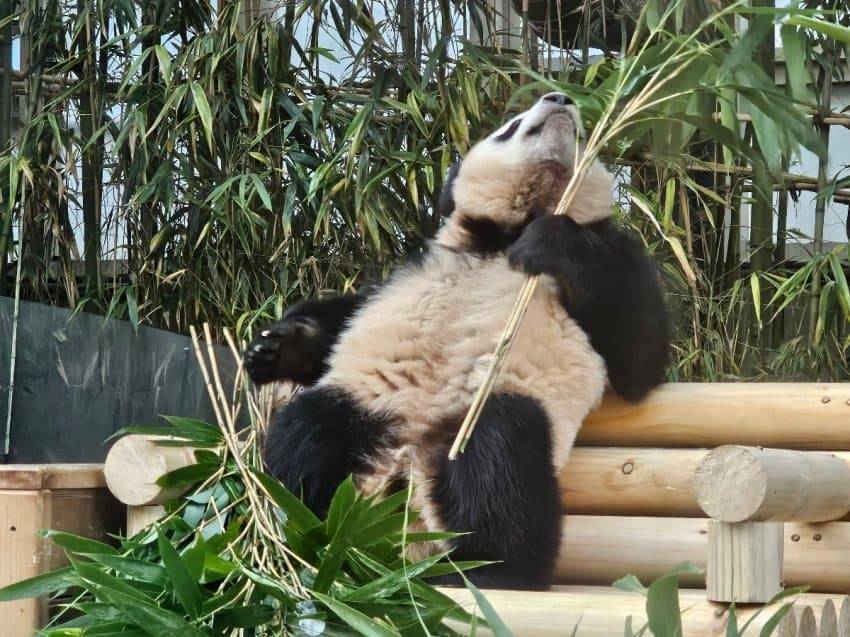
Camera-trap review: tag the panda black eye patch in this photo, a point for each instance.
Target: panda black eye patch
(535, 130)
(503, 137)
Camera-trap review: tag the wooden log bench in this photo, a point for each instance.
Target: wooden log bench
(633, 505)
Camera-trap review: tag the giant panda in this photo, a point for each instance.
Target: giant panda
(390, 374)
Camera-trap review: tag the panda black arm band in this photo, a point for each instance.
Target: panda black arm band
(610, 287)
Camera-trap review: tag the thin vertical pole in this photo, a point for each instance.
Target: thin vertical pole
(820, 202)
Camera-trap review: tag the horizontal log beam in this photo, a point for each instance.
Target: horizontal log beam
(734, 483)
(602, 611)
(597, 550)
(596, 481)
(784, 415)
(631, 481)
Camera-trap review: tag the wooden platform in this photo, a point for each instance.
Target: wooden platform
(631, 508)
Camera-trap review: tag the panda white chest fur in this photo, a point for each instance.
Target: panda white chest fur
(441, 322)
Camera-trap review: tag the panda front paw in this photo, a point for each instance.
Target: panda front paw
(285, 351)
(543, 247)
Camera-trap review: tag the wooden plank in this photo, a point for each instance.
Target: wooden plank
(744, 561)
(91, 512)
(22, 515)
(785, 415)
(596, 550)
(602, 611)
(52, 476)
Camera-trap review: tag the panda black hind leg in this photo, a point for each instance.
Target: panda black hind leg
(317, 440)
(503, 490)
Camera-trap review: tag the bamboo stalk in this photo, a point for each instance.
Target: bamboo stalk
(820, 205)
(7, 436)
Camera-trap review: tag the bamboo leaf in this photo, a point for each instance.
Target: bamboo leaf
(43, 584)
(202, 106)
(363, 624)
(185, 586)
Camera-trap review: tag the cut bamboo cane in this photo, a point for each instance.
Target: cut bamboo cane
(734, 484)
(787, 415)
(602, 612)
(135, 463)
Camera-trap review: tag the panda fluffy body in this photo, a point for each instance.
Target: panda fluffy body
(391, 374)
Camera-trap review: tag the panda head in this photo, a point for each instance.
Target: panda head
(519, 173)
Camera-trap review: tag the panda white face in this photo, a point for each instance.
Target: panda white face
(551, 130)
(518, 173)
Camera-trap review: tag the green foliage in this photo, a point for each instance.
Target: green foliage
(241, 552)
(665, 614)
(247, 166)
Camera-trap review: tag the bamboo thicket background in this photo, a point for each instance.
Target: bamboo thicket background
(181, 162)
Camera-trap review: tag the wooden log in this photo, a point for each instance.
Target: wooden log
(596, 550)
(602, 612)
(596, 481)
(135, 463)
(787, 415)
(631, 481)
(734, 484)
(828, 624)
(744, 561)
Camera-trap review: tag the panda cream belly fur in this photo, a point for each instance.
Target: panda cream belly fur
(421, 348)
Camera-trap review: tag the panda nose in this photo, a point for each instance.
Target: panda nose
(558, 98)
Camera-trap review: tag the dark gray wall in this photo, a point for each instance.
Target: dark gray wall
(78, 380)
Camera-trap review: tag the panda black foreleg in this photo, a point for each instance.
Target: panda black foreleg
(297, 347)
(610, 287)
(504, 491)
(317, 440)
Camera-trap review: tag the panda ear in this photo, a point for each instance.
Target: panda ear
(446, 202)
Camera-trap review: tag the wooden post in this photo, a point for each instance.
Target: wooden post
(736, 484)
(844, 618)
(744, 561)
(807, 626)
(139, 517)
(828, 626)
